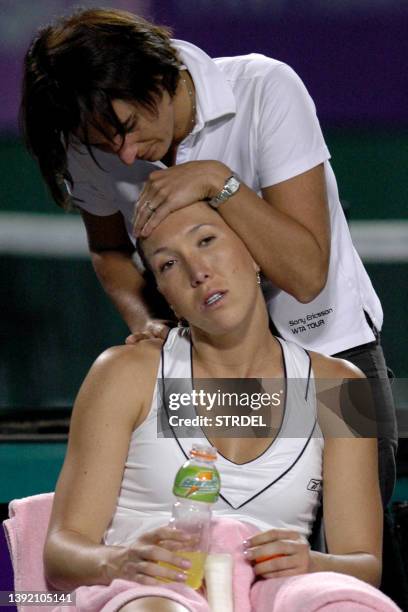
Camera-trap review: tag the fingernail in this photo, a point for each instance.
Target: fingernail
(181, 577)
(247, 554)
(185, 563)
(246, 544)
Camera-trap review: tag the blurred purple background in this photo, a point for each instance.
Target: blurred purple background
(350, 53)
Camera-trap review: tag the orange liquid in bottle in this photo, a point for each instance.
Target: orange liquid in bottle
(195, 573)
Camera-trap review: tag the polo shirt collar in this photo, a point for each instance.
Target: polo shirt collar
(214, 96)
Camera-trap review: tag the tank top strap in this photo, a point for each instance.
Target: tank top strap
(301, 419)
(175, 381)
(176, 354)
(298, 363)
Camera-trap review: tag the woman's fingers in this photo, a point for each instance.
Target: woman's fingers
(148, 580)
(166, 533)
(282, 573)
(149, 202)
(167, 190)
(156, 329)
(278, 557)
(154, 570)
(271, 549)
(136, 337)
(271, 535)
(263, 558)
(154, 562)
(275, 564)
(147, 210)
(153, 329)
(146, 571)
(172, 545)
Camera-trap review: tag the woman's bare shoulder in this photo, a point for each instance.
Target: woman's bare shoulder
(344, 399)
(138, 359)
(333, 367)
(121, 376)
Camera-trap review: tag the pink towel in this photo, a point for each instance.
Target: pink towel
(26, 530)
(328, 591)
(27, 527)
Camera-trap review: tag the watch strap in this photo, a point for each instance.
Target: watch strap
(231, 186)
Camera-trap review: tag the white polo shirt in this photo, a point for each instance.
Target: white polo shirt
(255, 115)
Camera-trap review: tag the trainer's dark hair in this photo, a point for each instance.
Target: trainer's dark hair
(73, 70)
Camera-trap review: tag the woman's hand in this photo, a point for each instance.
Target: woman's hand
(140, 562)
(278, 552)
(155, 328)
(176, 187)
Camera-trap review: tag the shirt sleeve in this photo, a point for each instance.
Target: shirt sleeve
(92, 188)
(290, 140)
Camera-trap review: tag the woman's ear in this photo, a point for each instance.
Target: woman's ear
(257, 271)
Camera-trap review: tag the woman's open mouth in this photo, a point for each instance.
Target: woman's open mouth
(213, 299)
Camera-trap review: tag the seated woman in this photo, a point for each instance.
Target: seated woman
(113, 498)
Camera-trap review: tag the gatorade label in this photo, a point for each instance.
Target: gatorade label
(197, 483)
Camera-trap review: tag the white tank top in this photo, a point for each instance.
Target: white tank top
(281, 488)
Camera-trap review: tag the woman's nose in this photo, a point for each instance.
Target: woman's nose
(199, 275)
(128, 152)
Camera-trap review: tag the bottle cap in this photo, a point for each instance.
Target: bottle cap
(203, 451)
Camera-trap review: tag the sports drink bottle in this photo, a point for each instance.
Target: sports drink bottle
(196, 488)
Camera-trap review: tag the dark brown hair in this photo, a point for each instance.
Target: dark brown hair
(73, 70)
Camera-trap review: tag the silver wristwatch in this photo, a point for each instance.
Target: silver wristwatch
(231, 186)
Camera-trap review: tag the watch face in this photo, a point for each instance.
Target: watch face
(233, 185)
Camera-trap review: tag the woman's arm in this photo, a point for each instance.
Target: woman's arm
(113, 399)
(352, 509)
(287, 231)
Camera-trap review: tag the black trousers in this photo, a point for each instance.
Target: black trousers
(370, 359)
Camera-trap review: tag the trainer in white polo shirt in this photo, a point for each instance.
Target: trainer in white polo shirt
(254, 114)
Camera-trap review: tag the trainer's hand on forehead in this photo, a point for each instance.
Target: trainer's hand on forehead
(176, 187)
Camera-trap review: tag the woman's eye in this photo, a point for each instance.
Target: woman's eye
(167, 265)
(206, 240)
(129, 125)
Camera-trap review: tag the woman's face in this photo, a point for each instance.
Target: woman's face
(203, 269)
(149, 135)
